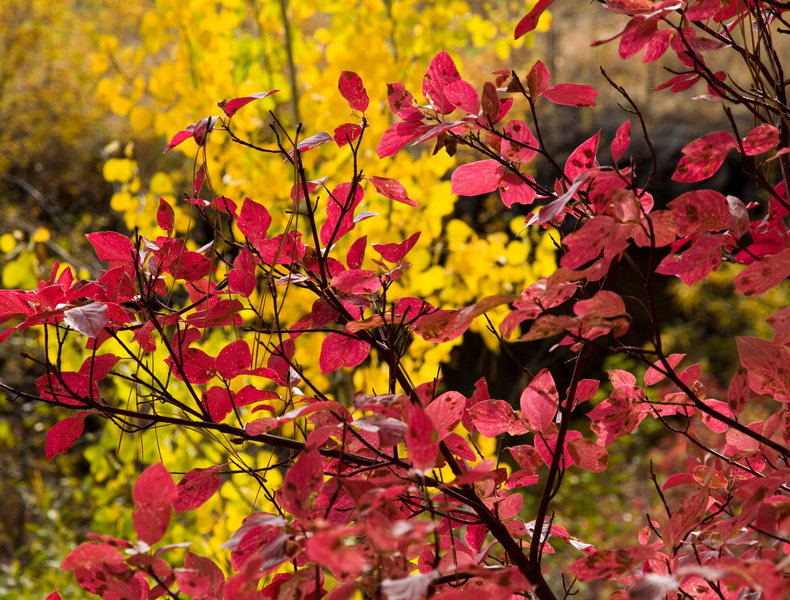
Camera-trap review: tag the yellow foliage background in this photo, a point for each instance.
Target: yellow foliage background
(153, 68)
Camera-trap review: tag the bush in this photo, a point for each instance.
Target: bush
(390, 488)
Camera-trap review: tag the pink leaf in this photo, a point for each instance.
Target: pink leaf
(555, 208)
(352, 89)
(394, 253)
(196, 487)
(441, 73)
(63, 434)
(445, 412)
(422, 440)
(530, 21)
(760, 139)
(55, 595)
(588, 455)
(358, 281)
(445, 325)
(522, 146)
(233, 359)
(112, 246)
(703, 157)
(338, 351)
(165, 217)
(230, 107)
(475, 178)
(242, 279)
(621, 140)
(653, 375)
(515, 191)
(694, 263)
(539, 401)
(572, 94)
(699, 211)
(311, 142)
(302, 483)
(766, 365)
(462, 95)
(181, 136)
(495, 417)
(582, 159)
(89, 319)
(635, 35)
(398, 135)
(402, 103)
(154, 493)
(392, 189)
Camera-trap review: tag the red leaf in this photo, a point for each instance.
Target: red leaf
(700, 211)
(392, 189)
(230, 107)
(530, 21)
(338, 351)
(653, 375)
(621, 140)
(523, 147)
(352, 89)
(588, 455)
(402, 103)
(358, 281)
(242, 279)
(234, 359)
(445, 412)
(572, 94)
(63, 434)
(612, 564)
(154, 493)
(475, 178)
(582, 159)
(283, 249)
(495, 417)
(55, 595)
(218, 402)
(98, 366)
(89, 320)
(701, 258)
(441, 73)
(196, 487)
(635, 35)
(200, 578)
(165, 217)
(394, 253)
(254, 221)
(766, 365)
(555, 208)
(657, 45)
(538, 80)
(422, 441)
(445, 325)
(703, 157)
(198, 366)
(462, 95)
(356, 253)
(340, 207)
(302, 483)
(112, 246)
(515, 191)
(760, 139)
(400, 134)
(539, 401)
(346, 133)
(13, 306)
(181, 136)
